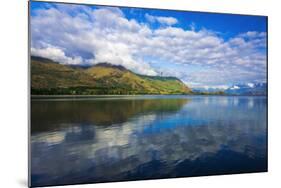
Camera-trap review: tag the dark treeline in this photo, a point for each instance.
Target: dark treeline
(90, 91)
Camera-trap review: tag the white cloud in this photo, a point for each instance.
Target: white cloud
(251, 85)
(80, 35)
(253, 34)
(161, 19)
(98, 39)
(56, 55)
(235, 87)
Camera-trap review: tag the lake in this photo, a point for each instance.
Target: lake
(102, 139)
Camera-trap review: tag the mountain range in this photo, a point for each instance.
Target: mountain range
(247, 89)
(256, 89)
(52, 78)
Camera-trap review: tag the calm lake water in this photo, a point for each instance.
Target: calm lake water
(146, 137)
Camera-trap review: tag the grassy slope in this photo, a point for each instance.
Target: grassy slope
(52, 78)
(53, 75)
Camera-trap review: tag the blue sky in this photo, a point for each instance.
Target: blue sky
(202, 49)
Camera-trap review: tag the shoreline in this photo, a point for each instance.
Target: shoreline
(121, 96)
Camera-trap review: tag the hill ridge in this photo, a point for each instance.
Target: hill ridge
(49, 78)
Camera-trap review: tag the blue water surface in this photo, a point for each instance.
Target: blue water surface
(146, 137)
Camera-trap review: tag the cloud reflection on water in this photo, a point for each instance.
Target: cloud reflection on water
(156, 137)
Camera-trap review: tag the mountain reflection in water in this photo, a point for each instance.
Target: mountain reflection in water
(146, 137)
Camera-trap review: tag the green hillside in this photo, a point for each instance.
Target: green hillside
(51, 78)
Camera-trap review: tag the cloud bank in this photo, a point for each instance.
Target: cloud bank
(72, 34)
